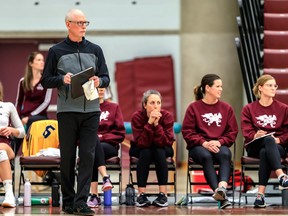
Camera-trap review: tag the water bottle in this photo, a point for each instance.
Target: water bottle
(40, 200)
(36, 200)
(55, 194)
(108, 198)
(27, 193)
(130, 195)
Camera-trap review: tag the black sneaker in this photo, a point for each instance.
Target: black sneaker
(161, 200)
(225, 203)
(142, 200)
(283, 182)
(220, 194)
(83, 210)
(259, 201)
(68, 210)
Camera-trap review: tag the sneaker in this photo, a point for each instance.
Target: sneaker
(107, 184)
(225, 203)
(142, 200)
(283, 182)
(94, 201)
(161, 200)
(9, 201)
(83, 210)
(259, 201)
(220, 194)
(68, 210)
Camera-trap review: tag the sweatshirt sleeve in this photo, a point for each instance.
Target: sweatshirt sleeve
(142, 130)
(15, 121)
(117, 133)
(103, 70)
(50, 78)
(248, 131)
(44, 105)
(189, 132)
(231, 130)
(284, 135)
(164, 133)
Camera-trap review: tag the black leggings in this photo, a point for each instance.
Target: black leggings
(269, 154)
(103, 151)
(204, 157)
(146, 157)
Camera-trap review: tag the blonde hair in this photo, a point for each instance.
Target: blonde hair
(1, 91)
(260, 82)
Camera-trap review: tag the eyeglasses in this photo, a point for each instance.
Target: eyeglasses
(271, 85)
(80, 23)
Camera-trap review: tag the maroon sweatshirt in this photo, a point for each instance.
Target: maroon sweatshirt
(33, 102)
(273, 118)
(204, 122)
(146, 135)
(111, 127)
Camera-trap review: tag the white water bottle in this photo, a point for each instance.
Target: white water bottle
(27, 193)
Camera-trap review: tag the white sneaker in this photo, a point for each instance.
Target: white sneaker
(9, 201)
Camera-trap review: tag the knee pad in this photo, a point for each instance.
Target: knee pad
(3, 155)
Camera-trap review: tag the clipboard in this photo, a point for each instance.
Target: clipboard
(78, 79)
(265, 135)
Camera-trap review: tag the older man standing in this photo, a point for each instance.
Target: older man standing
(78, 118)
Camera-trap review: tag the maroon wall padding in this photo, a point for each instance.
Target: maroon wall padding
(135, 77)
(275, 58)
(124, 78)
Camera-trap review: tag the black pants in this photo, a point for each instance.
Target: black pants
(204, 157)
(103, 151)
(74, 127)
(269, 154)
(146, 157)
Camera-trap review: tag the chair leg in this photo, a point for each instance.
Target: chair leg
(120, 187)
(175, 187)
(233, 185)
(188, 185)
(21, 180)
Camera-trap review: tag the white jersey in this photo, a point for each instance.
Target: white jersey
(8, 114)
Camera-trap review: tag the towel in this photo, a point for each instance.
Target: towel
(90, 91)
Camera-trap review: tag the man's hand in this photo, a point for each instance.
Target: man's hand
(67, 78)
(96, 81)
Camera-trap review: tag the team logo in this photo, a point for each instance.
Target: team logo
(265, 120)
(104, 115)
(209, 118)
(39, 87)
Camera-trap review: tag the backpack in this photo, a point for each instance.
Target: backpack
(130, 195)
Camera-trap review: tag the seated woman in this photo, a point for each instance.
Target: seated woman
(258, 118)
(209, 129)
(111, 133)
(153, 136)
(8, 115)
(32, 99)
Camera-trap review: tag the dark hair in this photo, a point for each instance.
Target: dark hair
(208, 79)
(147, 94)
